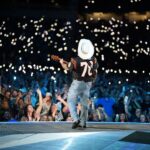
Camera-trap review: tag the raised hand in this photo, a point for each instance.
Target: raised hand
(58, 97)
(38, 91)
(61, 61)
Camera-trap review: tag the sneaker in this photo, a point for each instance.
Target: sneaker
(75, 124)
(82, 126)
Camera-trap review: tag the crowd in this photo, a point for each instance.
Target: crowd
(111, 99)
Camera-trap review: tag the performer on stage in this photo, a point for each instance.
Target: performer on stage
(84, 68)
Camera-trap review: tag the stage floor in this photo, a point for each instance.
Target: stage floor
(60, 136)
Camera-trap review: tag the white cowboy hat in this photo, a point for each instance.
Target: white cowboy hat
(85, 49)
(48, 94)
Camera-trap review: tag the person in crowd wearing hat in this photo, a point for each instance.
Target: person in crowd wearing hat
(84, 68)
(48, 107)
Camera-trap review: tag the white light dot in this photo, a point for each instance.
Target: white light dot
(65, 48)
(48, 59)
(119, 82)
(127, 79)
(86, 6)
(119, 7)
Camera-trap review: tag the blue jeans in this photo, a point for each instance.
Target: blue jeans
(81, 89)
